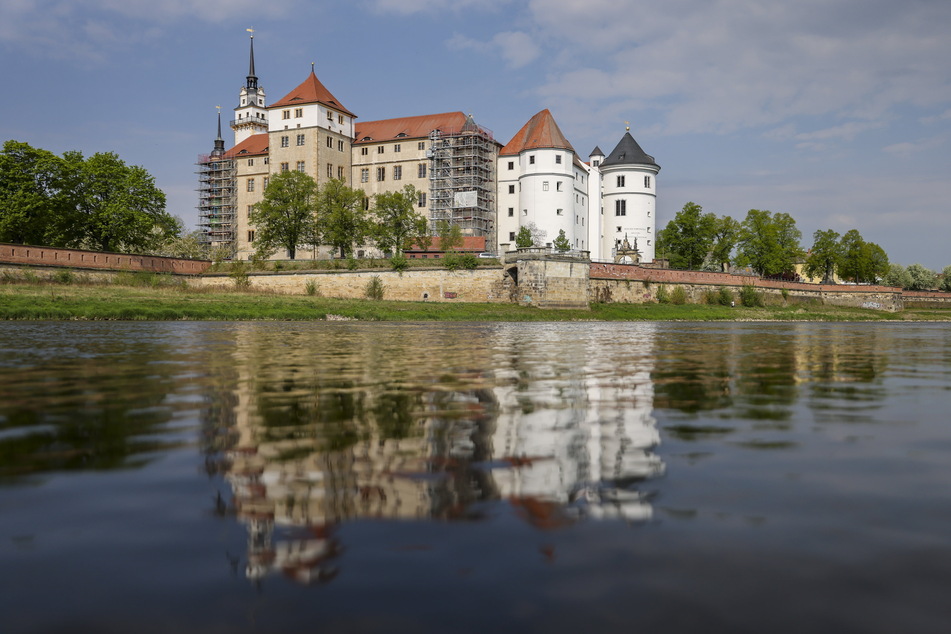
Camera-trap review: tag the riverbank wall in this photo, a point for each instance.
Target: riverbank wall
(27, 255)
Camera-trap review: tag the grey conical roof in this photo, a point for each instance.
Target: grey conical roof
(628, 152)
(596, 152)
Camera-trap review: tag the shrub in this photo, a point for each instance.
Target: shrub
(679, 296)
(724, 296)
(399, 262)
(750, 297)
(663, 296)
(451, 261)
(239, 275)
(374, 288)
(63, 277)
(311, 287)
(468, 261)
(352, 263)
(785, 293)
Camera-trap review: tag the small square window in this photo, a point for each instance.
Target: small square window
(511, 189)
(511, 165)
(558, 159)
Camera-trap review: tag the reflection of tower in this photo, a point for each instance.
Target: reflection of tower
(582, 435)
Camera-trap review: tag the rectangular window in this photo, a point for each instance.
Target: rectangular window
(511, 189)
(286, 114)
(250, 184)
(531, 159)
(511, 236)
(558, 159)
(340, 146)
(511, 212)
(330, 170)
(364, 151)
(285, 141)
(285, 167)
(340, 119)
(620, 207)
(379, 149)
(330, 142)
(397, 172)
(267, 179)
(525, 212)
(250, 209)
(267, 160)
(300, 139)
(298, 113)
(250, 162)
(422, 199)
(620, 181)
(396, 148)
(421, 170)
(365, 175)
(421, 145)
(251, 235)
(330, 116)
(511, 165)
(381, 174)
(647, 182)
(560, 212)
(300, 166)
(544, 186)
(558, 186)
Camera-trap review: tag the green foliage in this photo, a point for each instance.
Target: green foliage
(396, 221)
(725, 234)
(374, 288)
(63, 277)
(663, 295)
(239, 275)
(311, 287)
(862, 261)
(825, 256)
(785, 293)
(897, 276)
(688, 238)
(468, 261)
(342, 218)
(946, 278)
(922, 278)
(187, 245)
(352, 263)
(399, 262)
(724, 296)
(450, 235)
(750, 297)
(524, 238)
(561, 243)
(285, 217)
(678, 296)
(769, 243)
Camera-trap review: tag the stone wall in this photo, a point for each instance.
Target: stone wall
(634, 284)
(78, 259)
(484, 284)
(926, 299)
(548, 279)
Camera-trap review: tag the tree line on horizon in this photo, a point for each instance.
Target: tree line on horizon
(769, 244)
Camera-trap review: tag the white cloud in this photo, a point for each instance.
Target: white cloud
(516, 48)
(410, 7)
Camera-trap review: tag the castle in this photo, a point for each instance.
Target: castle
(606, 206)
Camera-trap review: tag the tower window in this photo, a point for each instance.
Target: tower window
(511, 165)
(330, 170)
(620, 207)
(647, 182)
(298, 113)
(544, 186)
(330, 116)
(511, 189)
(558, 159)
(340, 119)
(340, 173)
(285, 167)
(330, 142)
(379, 149)
(558, 186)
(251, 235)
(620, 181)
(511, 212)
(340, 146)
(531, 159)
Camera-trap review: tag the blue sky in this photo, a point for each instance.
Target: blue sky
(837, 112)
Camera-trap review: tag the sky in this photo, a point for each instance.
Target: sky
(837, 112)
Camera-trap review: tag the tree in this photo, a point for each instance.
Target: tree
(113, 206)
(524, 238)
(725, 234)
(922, 278)
(897, 276)
(32, 194)
(285, 217)
(397, 221)
(561, 243)
(862, 261)
(688, 238)
(342, 216)
(769, 243)
(825, 257)
(450, 235)
(946, 278)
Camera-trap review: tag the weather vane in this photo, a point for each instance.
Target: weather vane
(251, 31)
(219, 109)
(627, 126)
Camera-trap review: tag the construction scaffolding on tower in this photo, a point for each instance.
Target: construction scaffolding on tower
(216, 202)
(462, 179)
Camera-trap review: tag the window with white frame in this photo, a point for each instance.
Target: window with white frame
(285, 167)
(422, 199)
(250, 184)
(285, 141)
(397, 172)
(330, 170)
(300, 166)
(396, 147)
(544, 186)
(365, 175)
(286, 114)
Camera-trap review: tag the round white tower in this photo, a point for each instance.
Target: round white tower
(629, 187)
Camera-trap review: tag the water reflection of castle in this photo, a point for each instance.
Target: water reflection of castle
(316, 446)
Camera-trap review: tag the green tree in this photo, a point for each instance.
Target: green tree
(862, 261)
(450, 235)
(946, 278)
(769, 243)
(342, 216)
(524, 238)
(397, 221)
(32, 195)
(561, 243)
(922, 278)
(285, 217)
(725, 234)
(897, 276)
(688, 238)
(825, 256)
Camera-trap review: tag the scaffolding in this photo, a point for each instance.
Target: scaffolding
(462, 179)
(216, 202)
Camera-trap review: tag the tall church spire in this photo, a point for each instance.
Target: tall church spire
(219, 142)
(252, 78)
(250, 117)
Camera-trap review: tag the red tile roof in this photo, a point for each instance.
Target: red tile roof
(417, 127)
(254, 144)
(311, 91)
(541, 131)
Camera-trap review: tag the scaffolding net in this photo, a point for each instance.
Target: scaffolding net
(216, 202)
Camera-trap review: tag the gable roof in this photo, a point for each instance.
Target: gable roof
(541, 131)
(628, 152)
(417, 127)
(311, 91)
(254, 144)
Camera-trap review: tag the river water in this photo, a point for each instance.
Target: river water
(364, 477)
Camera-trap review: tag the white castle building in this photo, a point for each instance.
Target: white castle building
(605, 207)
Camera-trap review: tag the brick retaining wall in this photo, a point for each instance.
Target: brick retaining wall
(74, 258)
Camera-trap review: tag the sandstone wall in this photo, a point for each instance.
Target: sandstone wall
(78, 259)
(926, 299)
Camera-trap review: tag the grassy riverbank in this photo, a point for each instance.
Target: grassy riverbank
(165, 299)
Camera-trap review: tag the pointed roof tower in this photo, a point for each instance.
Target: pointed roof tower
(252, 78)
(311, 91)
(219, 142)
(628, 152)
(541, 131)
